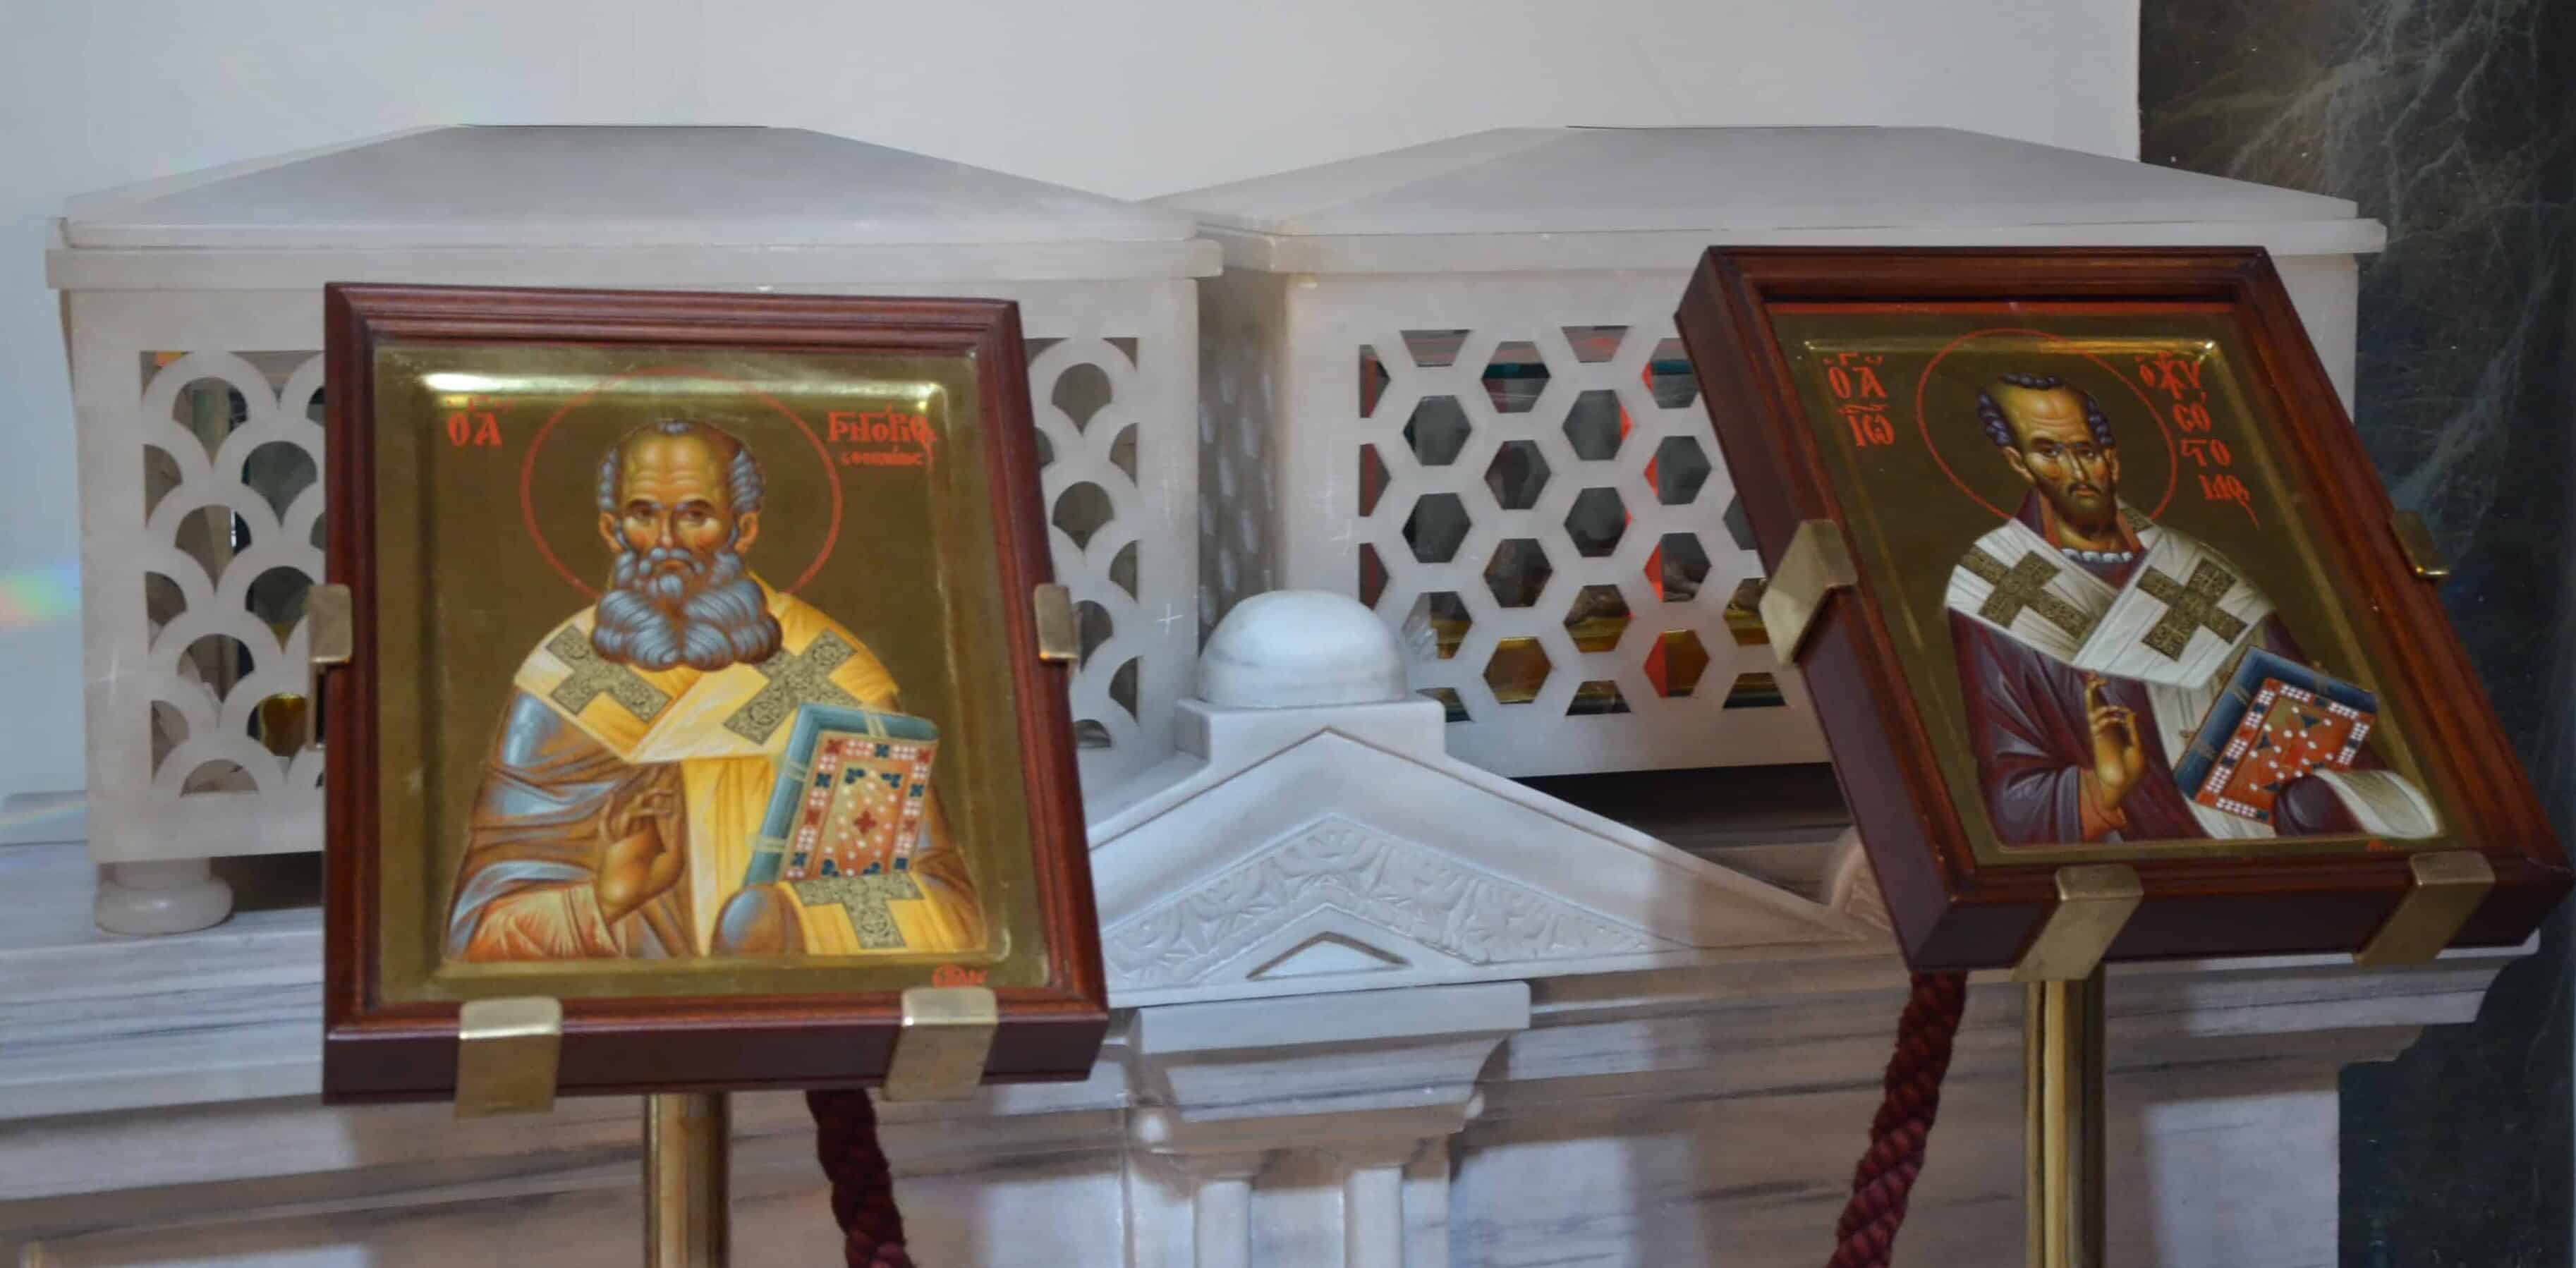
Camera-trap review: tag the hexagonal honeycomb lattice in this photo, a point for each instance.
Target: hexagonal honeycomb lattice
(1516, 475)
(1596, 522)
(1595, 425)
(1517, 572)
(1540, 518)
(1518, 670)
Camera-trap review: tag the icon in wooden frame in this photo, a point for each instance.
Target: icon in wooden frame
(2124, 589)
(695, 680)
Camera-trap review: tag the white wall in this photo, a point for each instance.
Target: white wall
(1126, 97)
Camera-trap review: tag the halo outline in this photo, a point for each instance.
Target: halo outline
(528, 471)
(1923, 423)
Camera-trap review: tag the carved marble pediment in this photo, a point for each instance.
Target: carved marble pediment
(1297, 850)
(1336, 897)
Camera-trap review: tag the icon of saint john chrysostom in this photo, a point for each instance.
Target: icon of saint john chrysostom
(2094, 643)
(623, 797)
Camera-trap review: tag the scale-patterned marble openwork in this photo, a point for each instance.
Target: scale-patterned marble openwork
(1106, 544)
(229, 457)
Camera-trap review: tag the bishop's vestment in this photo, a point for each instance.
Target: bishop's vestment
(2163, 623)
(583, 736)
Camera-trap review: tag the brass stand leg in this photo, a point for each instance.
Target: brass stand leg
(2063, 1122)
(688, 1145)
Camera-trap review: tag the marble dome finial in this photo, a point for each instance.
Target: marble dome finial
(1291, 649)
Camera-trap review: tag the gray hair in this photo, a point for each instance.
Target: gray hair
(743, 483)
(713, 615)
(1999, 428)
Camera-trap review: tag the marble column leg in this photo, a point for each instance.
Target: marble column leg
(1373, 1206)
(161, 896)
(1426, 1206)
(1221, 1209)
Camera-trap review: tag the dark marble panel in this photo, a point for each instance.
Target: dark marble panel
(2454, 123)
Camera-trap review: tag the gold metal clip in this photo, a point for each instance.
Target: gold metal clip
(2449, 885)
(507, 1053)
(1059, 638)
(2094, 902)
(1816, 564)
(2415, 538)
(329, 639)
(940, 1052)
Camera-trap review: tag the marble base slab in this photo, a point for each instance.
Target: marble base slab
(1706, 1115)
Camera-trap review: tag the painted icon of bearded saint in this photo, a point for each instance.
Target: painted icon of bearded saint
(624, 792)
(2092, 643)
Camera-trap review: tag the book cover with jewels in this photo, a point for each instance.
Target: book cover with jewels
(2277, 721)
(849, 798)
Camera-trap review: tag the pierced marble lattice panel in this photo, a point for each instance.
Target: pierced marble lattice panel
(230, 455)
(1085, 393)
(1518, 475)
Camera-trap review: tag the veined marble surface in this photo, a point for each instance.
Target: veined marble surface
(2453, 122)
(1702, 1115)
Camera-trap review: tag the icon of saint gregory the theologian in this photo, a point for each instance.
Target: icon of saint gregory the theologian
(2099, 651)
(624, 798)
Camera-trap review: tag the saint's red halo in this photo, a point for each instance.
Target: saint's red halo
(528, 471)
(2173, 463)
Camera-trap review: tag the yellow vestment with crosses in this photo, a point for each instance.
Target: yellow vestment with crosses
(724, 732)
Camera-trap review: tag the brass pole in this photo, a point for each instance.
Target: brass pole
(688, 1139)
(2062, 1101)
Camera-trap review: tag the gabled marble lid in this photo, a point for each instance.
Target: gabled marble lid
(605, 187)
(1623, 197)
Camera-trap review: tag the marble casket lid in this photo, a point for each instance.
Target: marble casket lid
(1593, 198)
(645, 190)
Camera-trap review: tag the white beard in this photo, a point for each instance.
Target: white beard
(712, 616)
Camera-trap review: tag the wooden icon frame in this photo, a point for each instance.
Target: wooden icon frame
(970, 589)
(1960, 897)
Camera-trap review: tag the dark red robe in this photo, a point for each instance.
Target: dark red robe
(2028, 728)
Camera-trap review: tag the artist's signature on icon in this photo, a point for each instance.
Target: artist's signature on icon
(956, 975)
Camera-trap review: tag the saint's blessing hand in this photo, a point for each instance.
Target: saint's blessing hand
(2118, 758)
(642, 857)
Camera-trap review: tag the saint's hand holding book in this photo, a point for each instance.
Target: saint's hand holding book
(2126, 681)
(642, 793)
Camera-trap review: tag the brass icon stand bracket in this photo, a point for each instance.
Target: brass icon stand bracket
(2415, 539)
(1816, 564)
(507, 1053)
(947, 1036)
(330, 638)
(2063, 1116)
(2449, 886)
(1059, 636)
(2094, 902)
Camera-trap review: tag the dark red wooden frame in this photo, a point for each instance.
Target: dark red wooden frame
(1952, 913)
(374, 1050)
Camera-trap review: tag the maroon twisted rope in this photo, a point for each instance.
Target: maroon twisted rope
(845, 1142)
(1885, 1177)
